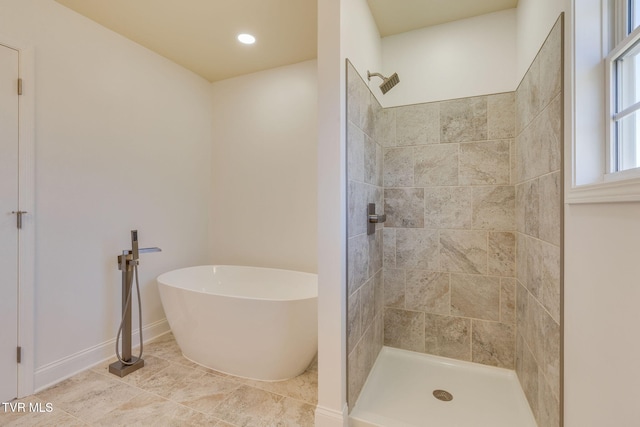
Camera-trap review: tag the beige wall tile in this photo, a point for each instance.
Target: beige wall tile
(549, 208)
(485, 163)
(355, 153)
(394, 287)
(501, 115)
(357, 199)
(551, 360)
(534, 266)
(521, 258)
(528, 376)
(436, 165)
(539, 145)
(475, 296)
(493, 344)
(427, 291)
(417, 249)
(538, 211)
(531, 207)
(368, 303)
(357, 262)
(418, 124)
(448, 336)
(535, 336)
(404, 329)
(550, 58)
(522, 307)
(548, 405)
(356, 373)
(447, 207)
(463, 251)
(494, 208)
(389, 247)
(551, 279)
(372, 162)
(354, 323)
(514, 172)
(404, 207)
(528, 97)
(378, 292)
(501, 254)
(463, 120)
(508, 300)
(360, 110)
(384, 129)
(398, 167)
(523, 156)
(375, 252)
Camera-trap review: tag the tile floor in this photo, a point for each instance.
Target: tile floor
(171, 391)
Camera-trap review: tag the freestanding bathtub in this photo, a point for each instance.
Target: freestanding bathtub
(251, 322)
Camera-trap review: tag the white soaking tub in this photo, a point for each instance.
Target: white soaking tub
(259, 323)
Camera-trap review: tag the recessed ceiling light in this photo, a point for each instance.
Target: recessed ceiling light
(246, 38)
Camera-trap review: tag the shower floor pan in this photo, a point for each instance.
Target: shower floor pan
(400, 393)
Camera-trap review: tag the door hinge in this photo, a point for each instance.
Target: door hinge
(19, 354)
(19, 218)
(19, 86)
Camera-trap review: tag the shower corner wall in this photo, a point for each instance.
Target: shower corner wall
(539, 207)
(364, 252)
(467, 265)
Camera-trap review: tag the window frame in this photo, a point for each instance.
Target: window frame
(621, 41)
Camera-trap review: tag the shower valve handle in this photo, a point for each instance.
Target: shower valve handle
(373, 218)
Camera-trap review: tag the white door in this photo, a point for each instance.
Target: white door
(8, 229)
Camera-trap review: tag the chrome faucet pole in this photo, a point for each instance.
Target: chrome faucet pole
(127, 263)
(127, 283)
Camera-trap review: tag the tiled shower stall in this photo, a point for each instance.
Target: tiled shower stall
(468, 263)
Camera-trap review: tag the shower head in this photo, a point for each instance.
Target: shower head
(387, 82)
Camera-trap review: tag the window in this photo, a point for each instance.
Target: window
(624, 92)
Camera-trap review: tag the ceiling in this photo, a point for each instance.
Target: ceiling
(201, 34)
(399, 16)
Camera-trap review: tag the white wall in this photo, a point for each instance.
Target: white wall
(469, 57)
(601, 253)
(476, 56)
(122, 142)
(602, 293)
(361, 42)
(344, 31)
(331, 218)
(589, 99)
(535, 18)
(263, 169)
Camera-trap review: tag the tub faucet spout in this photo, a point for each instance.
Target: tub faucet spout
(149, 250)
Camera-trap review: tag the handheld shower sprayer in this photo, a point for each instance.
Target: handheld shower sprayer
(387, 82)
(128, 263)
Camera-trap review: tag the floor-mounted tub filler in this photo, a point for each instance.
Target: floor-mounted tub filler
(251, 322)
(406, 389)
(128, 264)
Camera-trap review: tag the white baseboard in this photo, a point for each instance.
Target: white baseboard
(326, 417)
(53, 373)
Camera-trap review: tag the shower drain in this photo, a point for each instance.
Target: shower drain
(442, 395)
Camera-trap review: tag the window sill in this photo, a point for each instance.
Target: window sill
(610, 191)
